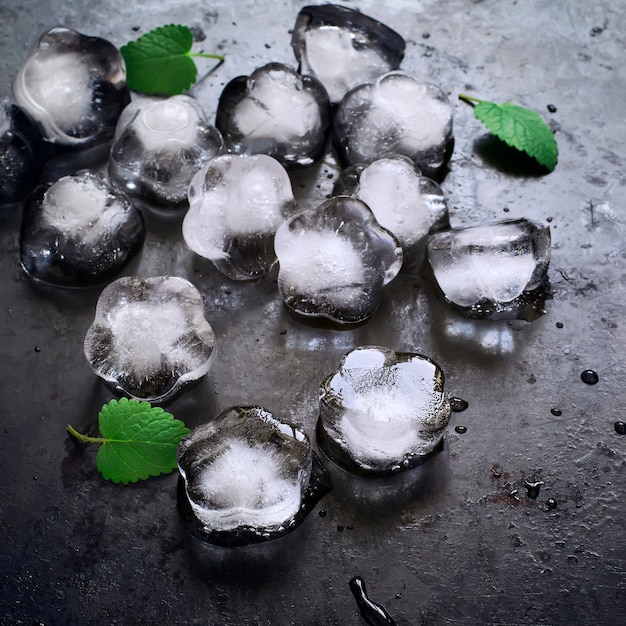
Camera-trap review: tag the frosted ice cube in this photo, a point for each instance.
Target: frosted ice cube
(403, 201)
(20, 163)
(79, 230)
(248, 477)
(382, 411)
(278, 112)
(149, 337)
(344, 48)
(159, 146)
(74, 86)
(236, 203)
(334, 261)
(493, 270)
(399, 114)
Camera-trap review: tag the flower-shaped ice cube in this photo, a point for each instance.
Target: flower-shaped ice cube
(159, 145)
(278, 112)
(236, 203)
(495, 271)
(403, 201)
(334, 261)
(398, 113)
(381, 411)
(149, 337)
(247, 477)
(79, 230)
(74, 86)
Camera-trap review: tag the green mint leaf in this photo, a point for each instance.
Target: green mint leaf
(518, 127)
(138, 440)
(160, 63)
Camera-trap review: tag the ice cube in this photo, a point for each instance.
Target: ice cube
(496, 270)
(149, 337)
(334, 261)
(247, 477)
(381, 411)
(74, 86)
(278, 112)
(396, 114)
(79, 231)
(236, 203)
(403, 201)
(159, 146)
(20, 162)
(344, 48)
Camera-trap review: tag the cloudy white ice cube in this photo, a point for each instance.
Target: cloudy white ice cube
(159, 145)
(396, 114)
(403, 201)
(278, 112)
(491, 269)
(74, 86)
(236, 203)
(343, 47)
(247, 477)
(79, 230)
(381, 411)
(149, 337)
(334, 261)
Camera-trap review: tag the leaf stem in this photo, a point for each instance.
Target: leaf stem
(84, 438)
(206, 55)
(469, 99)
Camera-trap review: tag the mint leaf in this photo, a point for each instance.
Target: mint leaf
(518, 127)
(160, 62)
(138, 440)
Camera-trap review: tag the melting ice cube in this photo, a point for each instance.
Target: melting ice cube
(344, 48)
(402, 200)
(20, 162)
(159, 146)
(150, 337)
(74, 86)
(398, 114)
(278, 112)
(334, 261)
(236, 203)
(496, 270)
(381, 411)
(248, 477)
(79, 230)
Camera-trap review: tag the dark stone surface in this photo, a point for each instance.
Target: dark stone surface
(462, 542)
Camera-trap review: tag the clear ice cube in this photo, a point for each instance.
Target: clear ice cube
(149, 337)
(403, 201)
(381, 411)
(344, 48)
(278, 112)
(334, 261)
(20, 161)
(79, 231)
(247, 477)
(396, 114)
(236, 204)
(159, 145)
(497, 270)
(74, 87)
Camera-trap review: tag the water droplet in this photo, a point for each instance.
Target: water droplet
(620, 428)
(398, 596)
(461, 429)
(340, 528)
(533, 487)
(372, 612)
(559, 324)
(589, 377)
(550, 504)
(549, 219)
(37, 349)
(556, 412)
(458, 404)
(322, 513)
(551, 108)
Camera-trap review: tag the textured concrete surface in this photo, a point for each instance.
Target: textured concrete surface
(459, 542)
